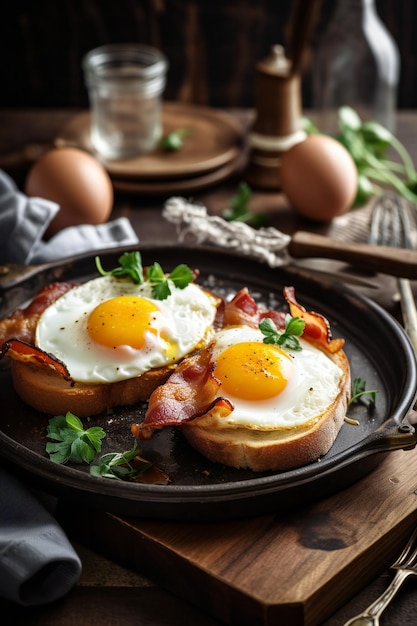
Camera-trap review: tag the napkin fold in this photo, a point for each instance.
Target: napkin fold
(38, 564)
(24, 221)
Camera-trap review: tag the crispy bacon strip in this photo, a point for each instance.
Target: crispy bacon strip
(22, 351)
(243, 310)
(21, 324)
(317, 327)
(189, 393)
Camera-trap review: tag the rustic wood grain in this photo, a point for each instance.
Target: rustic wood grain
(298, 567)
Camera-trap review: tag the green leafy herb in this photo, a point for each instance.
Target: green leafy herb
(238, 208)
(181, 276)
(120, 465)
(368, 143)
(71, 443)
(294, 327)
(174, 140)
(131, 265)
(359, 391)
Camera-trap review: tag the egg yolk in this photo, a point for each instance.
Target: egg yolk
(253, 371)
(122, 321)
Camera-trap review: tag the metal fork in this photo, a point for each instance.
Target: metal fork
(390, 226)
(405, 566)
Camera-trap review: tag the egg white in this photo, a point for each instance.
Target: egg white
(313, 385)
(184, 319)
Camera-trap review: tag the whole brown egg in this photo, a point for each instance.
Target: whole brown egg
(76, 181)
(319, 178)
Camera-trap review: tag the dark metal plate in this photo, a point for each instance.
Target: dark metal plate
(376, 345)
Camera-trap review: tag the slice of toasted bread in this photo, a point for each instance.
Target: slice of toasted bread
(265, 450)
(46, 391)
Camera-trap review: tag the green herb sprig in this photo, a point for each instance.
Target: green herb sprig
(359, 391)
(294, 327)
(238, 208)
(174, 140)
(120, 465)
(368, 143)
(181, 276)
(131, 266)
(71, 443)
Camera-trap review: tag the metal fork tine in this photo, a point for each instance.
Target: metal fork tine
(390, 223)
(390, 226)
(405, 566)
(408, 556)
(406, 226)
(376, 229)
(396, 221)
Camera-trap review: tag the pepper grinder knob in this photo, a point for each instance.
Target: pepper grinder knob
(277, 125)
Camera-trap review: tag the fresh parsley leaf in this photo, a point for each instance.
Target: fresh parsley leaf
(161, 291)
(71, 443)
(155, 274)
(120, 465)
(131, 265)
(181, 276)
(238, 209)
(174, 140)
(359, 391)
(294, 327)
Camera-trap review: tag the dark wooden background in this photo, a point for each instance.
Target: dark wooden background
(212, 45)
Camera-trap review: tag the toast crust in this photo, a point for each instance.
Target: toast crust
(46, 391)
(279, 450)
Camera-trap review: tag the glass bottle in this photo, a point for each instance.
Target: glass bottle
(356, 63)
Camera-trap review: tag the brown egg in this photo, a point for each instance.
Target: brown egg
(77, 182)
(319, 178)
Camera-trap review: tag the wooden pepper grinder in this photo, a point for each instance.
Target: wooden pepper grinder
(277, 126)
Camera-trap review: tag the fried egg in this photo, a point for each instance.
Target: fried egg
(110, 329)
(272, 387)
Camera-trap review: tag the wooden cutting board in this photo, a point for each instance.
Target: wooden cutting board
(296, 568)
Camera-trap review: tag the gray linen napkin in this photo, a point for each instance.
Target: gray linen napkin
(23, 222)
(37, 562)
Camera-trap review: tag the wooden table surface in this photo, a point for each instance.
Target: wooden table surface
(106, 592)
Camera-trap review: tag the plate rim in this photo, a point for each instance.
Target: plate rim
(130, 169)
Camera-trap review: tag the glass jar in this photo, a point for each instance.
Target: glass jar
(356, 64)
(125, 83)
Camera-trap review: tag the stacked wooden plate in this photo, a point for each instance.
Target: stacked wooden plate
(212, 151)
